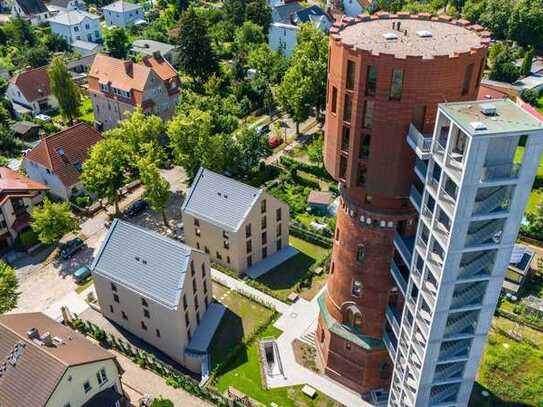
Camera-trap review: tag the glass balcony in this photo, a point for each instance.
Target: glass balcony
(399, 277)
(391, 344)
(419, 142)
(451, 350)
(475, 265)
(393, 317)
(415, 197)
(461, 323)
(468, 294)
(500, 173)
(421, 167)
(446, 393)
(485, 232)
(404, 245)
(494, 201)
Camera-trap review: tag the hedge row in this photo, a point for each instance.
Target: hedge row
(298, 230)
(302, 166)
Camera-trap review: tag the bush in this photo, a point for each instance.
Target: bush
(530, 96)
(27, 238)
(162, 403)
(317, 171)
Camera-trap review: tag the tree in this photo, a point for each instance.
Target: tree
(64, 89)
(116, 42)
(235, 11)
(8, 142)
(530, 96)
(193, 143)
(251, 147)
(52, 221)
(525, 23)
(526, 68)
(161, 403)
(314, 150)
(8, 288)
(504, 69)
(55, 43)
(195, 55)
(247, 36)
(259, 12)
(157, 189)
(21, 33)
(104, 172)
(37, 56)
(495, 17)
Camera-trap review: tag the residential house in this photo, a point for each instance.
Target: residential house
(236, 224)
(18, 195)
(353, 8)
(155, 287)
(283, 31)
(150, 48)
(519, 269)
(56, 160)
(122, 13)
(319, 202)
(533, 305)
(62, 6)
(33, 10)
(29, 92)
(117, 87)
(85, 48)
(44, 363)
(77, 25)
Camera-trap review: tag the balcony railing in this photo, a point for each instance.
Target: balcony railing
(477, 266)
(398, 277)
(454, 350)
(405, 246)
(488, 233)
(416, 197)
(420, 168)
(393, 318)
(390, 344)
(497, 201)
(503, 172)
(419, 142)
(443, 393)
(470, 295)
(461, 324)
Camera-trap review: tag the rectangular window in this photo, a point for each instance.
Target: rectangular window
(116, 298)
(143, 326)
(146, 313)
(157, 333)
(113, 287)
(218, 255)
(193, 285)
(360, 253)
(334, 99)
(111, 308)
(248, 230)
(279, 229)
(144, 302)
(345, 138)
(278, 215)
(350, 75)
(371, 80)
(264, 238)
(264, 252)
(196, 302)
(203, 270)
(342, 167)
(196, 222)
(101, 376)
(396, 84)
(226, 244)
(356, 289)
(364, 149)
(87, 387)
(249, 246)
(337, 234)
(124, 315)
(368, 114)
(205, 287)
(468, 73)
(197, 231)
(264, 223)
(279, 244)
(347, 108)
(249, 261)
(263, 206)
(187, 321)
(361, 175)
(184, 302)
(192, 268)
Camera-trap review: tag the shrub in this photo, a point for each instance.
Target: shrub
(530, 96)
(27, 238)
(162, 403)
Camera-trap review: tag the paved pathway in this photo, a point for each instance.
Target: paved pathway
(240, 286)
(137, 382)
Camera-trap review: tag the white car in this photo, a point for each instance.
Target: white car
(43, 117)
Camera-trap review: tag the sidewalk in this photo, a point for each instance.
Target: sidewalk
(240, 286)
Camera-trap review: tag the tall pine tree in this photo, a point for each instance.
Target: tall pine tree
(195, 55)
(64, 89)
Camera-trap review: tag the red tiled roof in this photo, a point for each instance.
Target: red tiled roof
(13, 184)
(161, 67)
(319, 198)
(486, 92)
(33, 83)
(59, 152)
(530, 109)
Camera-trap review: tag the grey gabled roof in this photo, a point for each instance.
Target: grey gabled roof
(144, 261)
(220, 200)
(282, 13)
(72, 17)
(31, 7)
(122, 6)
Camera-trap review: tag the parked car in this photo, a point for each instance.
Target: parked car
(71, 248)
(263, 130)
(43, 117)
(274, 141)
(138, 206)
(81, 274)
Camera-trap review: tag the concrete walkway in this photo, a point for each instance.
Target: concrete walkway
(242, 287)
(271, 262)
(300, 320)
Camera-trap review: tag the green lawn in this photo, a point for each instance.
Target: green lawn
(536, 196)
(246, 378)
(86, 113)
(282, 280)
(242, 317)
(511, 372)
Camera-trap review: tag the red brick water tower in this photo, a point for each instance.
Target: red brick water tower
(386, 76)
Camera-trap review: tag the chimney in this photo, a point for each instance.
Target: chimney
(157, 55)
(47, 339)
(32, 333)
(398, 25)
(129, 67)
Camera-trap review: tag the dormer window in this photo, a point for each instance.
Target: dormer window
(104, 87)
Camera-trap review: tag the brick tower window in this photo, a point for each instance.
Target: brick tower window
(350, 75)
(342, 167)
(347, 108)
(371, 80)
(360, 253)
(334, 99)
(368, 114)
(356, 289)
(364, 149)
(345, 138)
(396, 84)
(468, 73)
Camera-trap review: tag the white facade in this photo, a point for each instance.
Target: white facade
(283, 37)
(470, 210)
(62, 7)
(21, 105)
(35, 18)
(77, 26)
(41, 174)
(122, 14)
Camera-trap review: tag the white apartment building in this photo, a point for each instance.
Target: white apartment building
(156, 288)
(236, 224)
(77, 25)
(471, 204)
